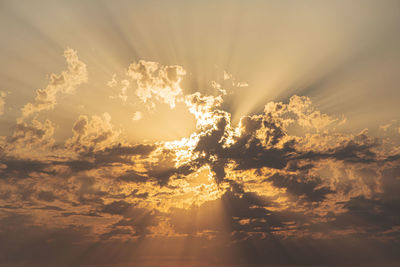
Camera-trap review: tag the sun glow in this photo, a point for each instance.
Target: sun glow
(184, 149)
(197, 189)
(199, 133)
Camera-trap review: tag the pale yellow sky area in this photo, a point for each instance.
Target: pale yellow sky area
(344, 55)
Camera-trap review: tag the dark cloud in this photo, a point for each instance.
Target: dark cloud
(48, 207)
(255, 232)
(21, 168)
(132, 176)
(311, 188)
(358, 150)
(138, 220)
(117, 207)
(47, 196)
(89, 214)
(108, 156)
(280, 187)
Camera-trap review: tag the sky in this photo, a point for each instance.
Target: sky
(199, 133)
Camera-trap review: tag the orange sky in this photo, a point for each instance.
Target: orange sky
(199, 133)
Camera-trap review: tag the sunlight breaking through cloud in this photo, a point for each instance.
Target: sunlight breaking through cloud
(196, 144)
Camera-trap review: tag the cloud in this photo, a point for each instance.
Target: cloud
(123, 94)
(20, 168)
(66, 82)
(92, 134)
(31, 135)
(299, 110)
(311, 188)
(155, 80)
(202, 107)
(137, 116)
(2, 102)
(274, 186)
(227, 75)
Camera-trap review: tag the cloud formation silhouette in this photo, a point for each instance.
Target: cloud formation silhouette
(277, 186)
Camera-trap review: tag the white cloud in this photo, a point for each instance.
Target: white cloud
(227, 75)
(66, 82)
(137, 116)
(155, 80)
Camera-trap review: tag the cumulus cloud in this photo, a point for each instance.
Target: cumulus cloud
(65, 82)
(202, 107)
(123, 94)
(92, 134)
(30, 136)
(283, 176)
(155, 80)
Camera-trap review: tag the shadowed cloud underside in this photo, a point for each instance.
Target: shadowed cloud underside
(192, 167)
